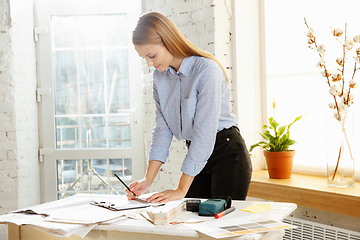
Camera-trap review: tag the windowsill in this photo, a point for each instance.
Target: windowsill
(307, 191)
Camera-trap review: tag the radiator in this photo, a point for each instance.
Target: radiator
(311, 230)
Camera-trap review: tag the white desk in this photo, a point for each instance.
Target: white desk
(142, 229)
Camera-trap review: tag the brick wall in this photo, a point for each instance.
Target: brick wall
(207, 24)
(19, 168)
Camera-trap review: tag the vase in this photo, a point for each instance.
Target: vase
(279, 164)
(340, 149)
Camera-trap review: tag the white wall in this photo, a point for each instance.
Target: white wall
(19, 168)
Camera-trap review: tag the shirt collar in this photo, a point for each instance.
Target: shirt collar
(186, 65)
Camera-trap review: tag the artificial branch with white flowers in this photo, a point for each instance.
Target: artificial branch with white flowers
(340, 90)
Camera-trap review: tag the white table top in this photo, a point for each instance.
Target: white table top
(80, 204)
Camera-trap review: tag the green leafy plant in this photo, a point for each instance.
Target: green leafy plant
(276, 139)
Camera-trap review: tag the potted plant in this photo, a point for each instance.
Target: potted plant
(279, 158)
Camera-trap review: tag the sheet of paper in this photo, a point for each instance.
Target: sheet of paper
(115, 221)
(75, 214)
(57, 229)
(20, 219)
(85, 213)
(82, 232)
(72, 208)
(88, 214)
(257, 208)
(49, 231)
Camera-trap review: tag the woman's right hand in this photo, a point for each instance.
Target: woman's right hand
(138, 187)
(141, 186)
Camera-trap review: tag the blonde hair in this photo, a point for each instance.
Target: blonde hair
(156, 28)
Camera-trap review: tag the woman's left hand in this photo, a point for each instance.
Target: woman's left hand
(166, 196)
(171, 195)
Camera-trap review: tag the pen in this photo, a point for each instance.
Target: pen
(223, 213)
(124, 184)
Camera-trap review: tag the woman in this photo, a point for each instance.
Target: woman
(192, 98)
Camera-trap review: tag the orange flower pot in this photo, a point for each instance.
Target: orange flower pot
(279, 163)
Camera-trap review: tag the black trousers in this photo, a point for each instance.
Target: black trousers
(227, 171)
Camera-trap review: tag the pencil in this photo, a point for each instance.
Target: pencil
(124, 184)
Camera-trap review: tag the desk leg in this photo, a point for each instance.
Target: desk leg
(14, 232)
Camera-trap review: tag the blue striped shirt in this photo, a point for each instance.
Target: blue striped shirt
(192, 104)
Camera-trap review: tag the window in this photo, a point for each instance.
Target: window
(293, 79)
(91, 118)
(91, 81)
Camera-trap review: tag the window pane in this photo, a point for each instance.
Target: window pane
(92, 99)
(90, 31)
(91, 71)
(295, 98)
(119, 131)
(115, 30)
(92, 176)
(292, 77)
(117, 80)
(64, 29)
(286, 45)
(68, 171)
(65, 75)
(67, 132)
(93, 132)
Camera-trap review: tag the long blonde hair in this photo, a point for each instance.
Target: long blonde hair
(154, 28)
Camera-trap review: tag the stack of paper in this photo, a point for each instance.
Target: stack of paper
(74, 215)
(164, 214)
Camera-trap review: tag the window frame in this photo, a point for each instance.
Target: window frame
(250, 73)
(49, 154)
